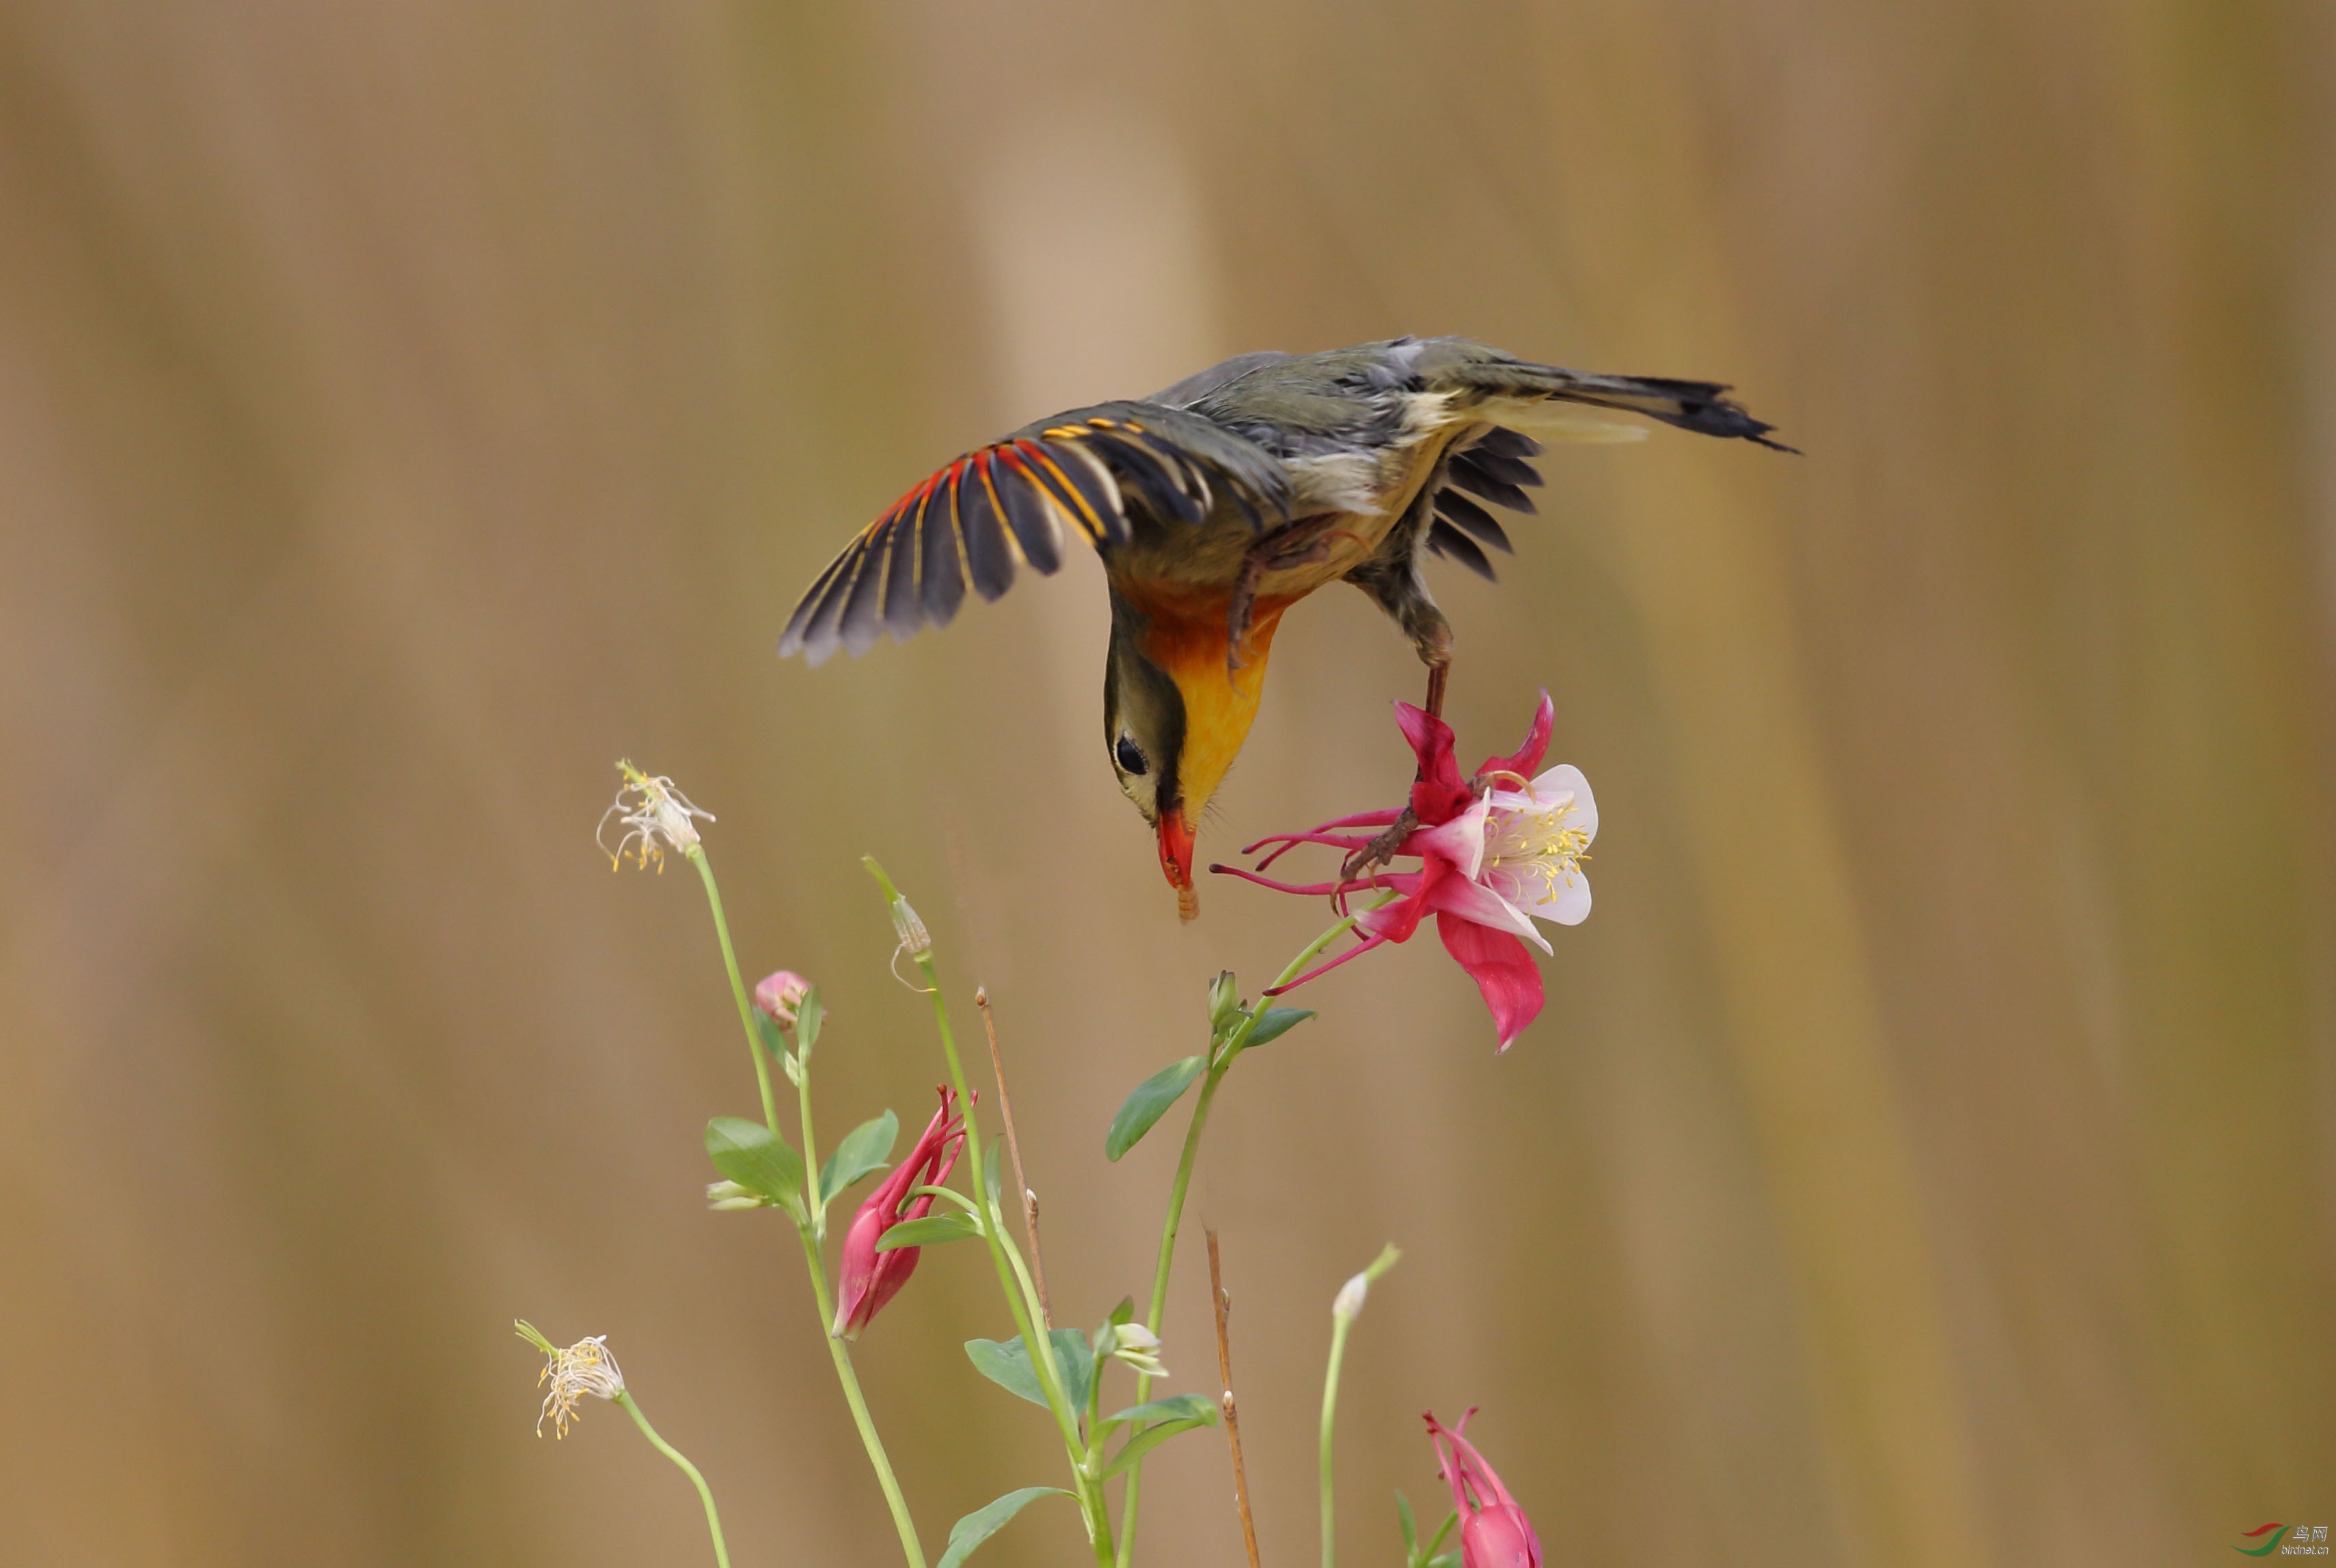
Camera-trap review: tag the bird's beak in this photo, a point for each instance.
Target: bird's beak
(1176, 859)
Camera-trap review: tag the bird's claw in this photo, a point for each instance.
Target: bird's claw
(1381, 850)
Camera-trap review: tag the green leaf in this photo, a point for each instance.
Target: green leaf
(1175, 1407)
(1276, 1022)
(983, 1523)
(766, 1029)
(808, 1015)
(1451, 1559)
(1008, 1365)
(1410, 1530)
(989, 1177)
(1148, 1104)
(1143, 1443)
(864, 1149)
(757, 1158)
(1076, 1357)
(1124, 1312)
(930, 1232)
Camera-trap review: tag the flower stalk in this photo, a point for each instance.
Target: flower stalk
(811, 1223)
(704, 1492)
(586, 1369)
(1014, 1281)
(1344, 1309)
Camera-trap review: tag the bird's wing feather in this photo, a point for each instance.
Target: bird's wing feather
(1013, 502)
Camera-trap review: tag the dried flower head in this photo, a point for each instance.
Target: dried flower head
(584, 1368)
(915, 940)
(656, 817)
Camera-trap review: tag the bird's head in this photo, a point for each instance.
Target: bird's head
(1174, 717)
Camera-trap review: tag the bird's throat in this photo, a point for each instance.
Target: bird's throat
(1220, 702)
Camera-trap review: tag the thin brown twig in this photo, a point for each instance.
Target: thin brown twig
(1014, 1147)
(1225, 1305)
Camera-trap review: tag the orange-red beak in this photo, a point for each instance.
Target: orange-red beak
(1176, 859)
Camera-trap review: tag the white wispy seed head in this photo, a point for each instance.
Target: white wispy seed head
(656, 817)
(584, 1368)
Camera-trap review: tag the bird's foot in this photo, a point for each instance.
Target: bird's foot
(1436, 677)
(1381, 850)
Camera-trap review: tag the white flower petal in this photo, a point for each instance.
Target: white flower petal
(1566, 779)
(1568, 903)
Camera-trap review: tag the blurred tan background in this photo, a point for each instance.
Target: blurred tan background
(406, 410)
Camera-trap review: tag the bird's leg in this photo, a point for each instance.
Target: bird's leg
(1243, 605)
(1298, 544)
(1432, 635)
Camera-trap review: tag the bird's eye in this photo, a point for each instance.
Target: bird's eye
(1131, 756)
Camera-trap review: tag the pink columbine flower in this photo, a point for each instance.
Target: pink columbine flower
(1496, 852)
(871, 1278)
(779, 994)
(1494, 1530)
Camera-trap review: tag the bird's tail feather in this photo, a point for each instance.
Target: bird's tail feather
(1703, 407)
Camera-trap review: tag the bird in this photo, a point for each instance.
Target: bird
(1218, 503)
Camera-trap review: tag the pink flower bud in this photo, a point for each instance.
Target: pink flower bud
(868, 1278)
(779, 994)
(1494, 1530)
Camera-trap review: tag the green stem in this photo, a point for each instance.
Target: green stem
(1027, 1318)
(814, 1201)
(696, 854)
(811, 1230)
(1339, 1324)
(1217, 1069)
(705, 1493)
(841, 1355)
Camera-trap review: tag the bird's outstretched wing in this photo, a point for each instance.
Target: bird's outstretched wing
(1015, 501)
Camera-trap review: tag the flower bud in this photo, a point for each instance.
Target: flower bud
(867, 1278)
(731, 1195)
(1139, 1347)
(915, 940)
(1224, 1002)
(778, 995)
(1348, 1303)
(1494, 1530)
